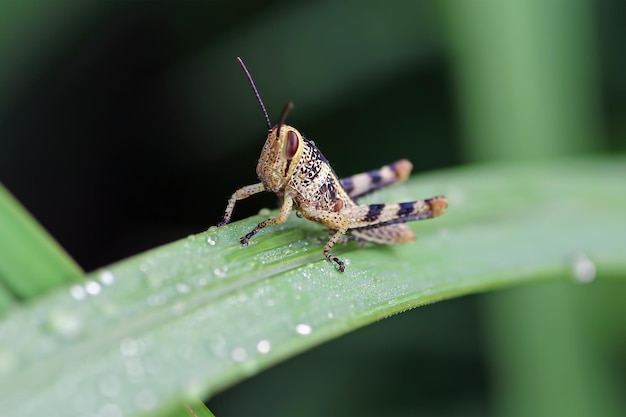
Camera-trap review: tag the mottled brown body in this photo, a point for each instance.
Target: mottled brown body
(293, 168)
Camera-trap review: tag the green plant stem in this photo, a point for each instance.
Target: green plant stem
(526, 72)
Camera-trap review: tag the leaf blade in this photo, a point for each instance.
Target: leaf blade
(195, 316)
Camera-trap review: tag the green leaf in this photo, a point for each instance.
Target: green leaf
(31, 262)
(188, 319)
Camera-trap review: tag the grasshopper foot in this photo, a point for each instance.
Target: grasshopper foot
(341, 266)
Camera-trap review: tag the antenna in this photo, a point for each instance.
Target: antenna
(258, 96)
(283, 116)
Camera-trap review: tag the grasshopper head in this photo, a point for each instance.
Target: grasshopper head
(280, 155)
(282, 149)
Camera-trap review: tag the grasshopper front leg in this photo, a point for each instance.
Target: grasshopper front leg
(240, 194)
(285, 209)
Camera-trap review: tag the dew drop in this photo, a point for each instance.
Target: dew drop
(584, 268)
(195, 387)
(178, 308)
(212, 229)
(182, 288)
(264, 346)
(239, 354)
(303, 329)
(65, 323)
(210, 241)
(92, 287)
(129, 347)
(156, 300)
(221, 272)
(106, 277)
(78, 292)
(264, 212)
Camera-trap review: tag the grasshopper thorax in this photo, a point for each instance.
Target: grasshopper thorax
(279, 157)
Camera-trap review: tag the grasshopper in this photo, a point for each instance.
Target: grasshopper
(293, 168)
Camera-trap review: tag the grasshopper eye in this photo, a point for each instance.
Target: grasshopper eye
(292, 144)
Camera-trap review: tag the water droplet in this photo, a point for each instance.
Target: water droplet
(129, 347)
(239, 354)
(303, 329)
(264, 212)
(156, 300)
(212, 229)
(191, 237)
(78, 292)
(584, 268)
(178, 308)
(330, 315)
(264, 346)
(210, 241)
(346, 261)
(92, 287)
(106, 277)
(221, 272)
(182, 288)
(65, 323)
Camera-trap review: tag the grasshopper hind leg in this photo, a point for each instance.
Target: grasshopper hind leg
(336, 236)
(386, 235)
(367, 182)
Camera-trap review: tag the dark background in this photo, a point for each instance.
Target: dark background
(127, 124)
(134, 131)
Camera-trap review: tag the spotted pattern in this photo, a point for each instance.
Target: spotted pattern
(307, 183)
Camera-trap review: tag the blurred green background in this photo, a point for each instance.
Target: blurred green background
(131, 121)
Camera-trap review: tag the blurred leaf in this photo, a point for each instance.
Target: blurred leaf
(31, 262)
(191, 318)
(529, 88)
(527, 77)
(198, 409)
